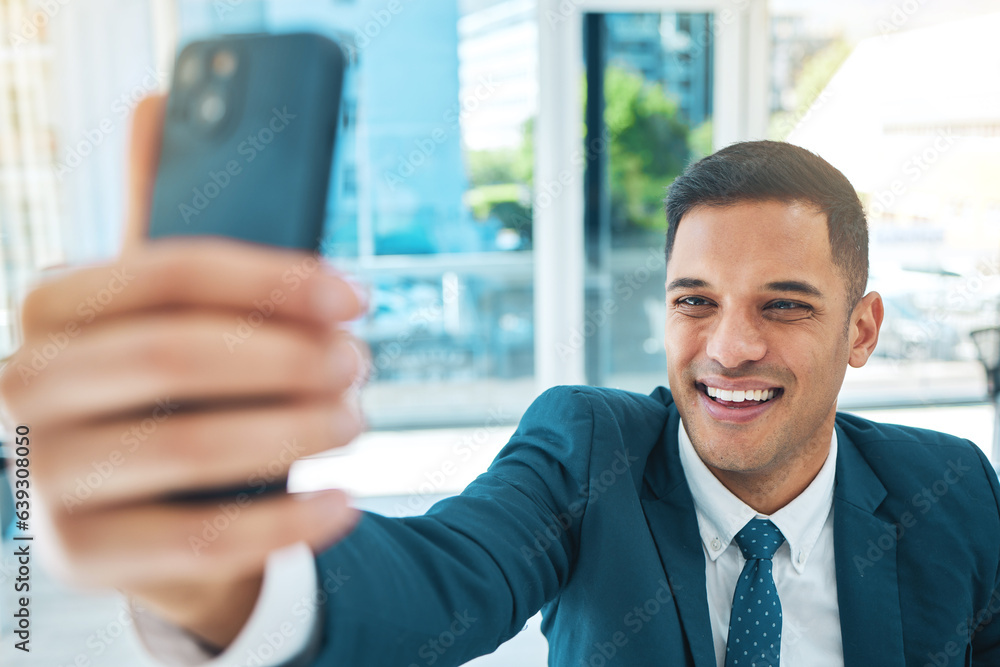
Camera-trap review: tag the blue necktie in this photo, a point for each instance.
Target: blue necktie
(755, 623)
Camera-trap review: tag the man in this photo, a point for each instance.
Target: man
(733, 520)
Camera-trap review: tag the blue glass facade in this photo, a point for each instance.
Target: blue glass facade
(399, 177)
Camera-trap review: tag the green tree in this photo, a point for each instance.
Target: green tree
(649, 148)
(650, 144)
(816, 73)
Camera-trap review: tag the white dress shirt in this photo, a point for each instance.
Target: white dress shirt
(281, 627)
(806, 584)
(803, 566)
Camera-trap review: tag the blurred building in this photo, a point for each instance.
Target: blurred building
(927, 164)
(674, 50)
(794, 40)
(398, 184)
(498, 41)
(912, 118)
(500, 37)
(29, 218)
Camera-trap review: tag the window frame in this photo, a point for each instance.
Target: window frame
(741, 90)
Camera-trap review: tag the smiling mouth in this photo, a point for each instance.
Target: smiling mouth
(737, 399)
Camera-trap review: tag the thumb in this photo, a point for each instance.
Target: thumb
(143, 159)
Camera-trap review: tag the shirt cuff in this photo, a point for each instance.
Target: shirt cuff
(280, 631)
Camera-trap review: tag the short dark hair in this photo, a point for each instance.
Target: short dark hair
(776, 171)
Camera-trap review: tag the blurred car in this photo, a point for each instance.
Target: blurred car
(911, 334)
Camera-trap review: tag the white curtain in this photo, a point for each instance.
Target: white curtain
(108, 54)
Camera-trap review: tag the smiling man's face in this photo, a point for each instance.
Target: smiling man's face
(756, 304)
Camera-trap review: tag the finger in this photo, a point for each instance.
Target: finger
(170, 451)
(191, 359)
(144, 158)
(142, 545)
(209, 273)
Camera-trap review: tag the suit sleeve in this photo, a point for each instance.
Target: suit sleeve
(986, 632)
(454, 584)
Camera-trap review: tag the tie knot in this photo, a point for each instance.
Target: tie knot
(759, 539)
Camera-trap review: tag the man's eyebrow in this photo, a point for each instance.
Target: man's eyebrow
(795, 286)
(687, 283)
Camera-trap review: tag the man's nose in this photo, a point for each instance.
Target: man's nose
(735, 339)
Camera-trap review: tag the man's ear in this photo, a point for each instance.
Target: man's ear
(144, 158)
(866, 320)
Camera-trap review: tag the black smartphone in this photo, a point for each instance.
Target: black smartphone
(248, 140)
(248, 145)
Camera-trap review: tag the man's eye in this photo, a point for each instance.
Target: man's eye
(692, 301)
(790, 308)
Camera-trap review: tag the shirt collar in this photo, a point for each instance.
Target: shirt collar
(721, 514)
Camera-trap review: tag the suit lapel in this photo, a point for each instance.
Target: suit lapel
(670, 514)
(865, 554)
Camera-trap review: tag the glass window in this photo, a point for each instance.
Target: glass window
(649, 112)
(430, 199)
(898, 102)
(29, 231)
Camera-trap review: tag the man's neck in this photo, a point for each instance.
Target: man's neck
(769, 490)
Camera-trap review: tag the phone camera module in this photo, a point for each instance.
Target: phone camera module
(224, 64)
(211, 108)
(189, 71)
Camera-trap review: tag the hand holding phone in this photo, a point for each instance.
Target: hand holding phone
(248, 145)
(158, 341)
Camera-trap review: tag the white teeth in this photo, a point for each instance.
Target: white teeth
(738, 396)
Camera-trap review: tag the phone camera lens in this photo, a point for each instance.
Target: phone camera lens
(189, 71)
(224, 64)
(211, 108)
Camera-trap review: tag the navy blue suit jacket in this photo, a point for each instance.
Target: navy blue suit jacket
(586, 515)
